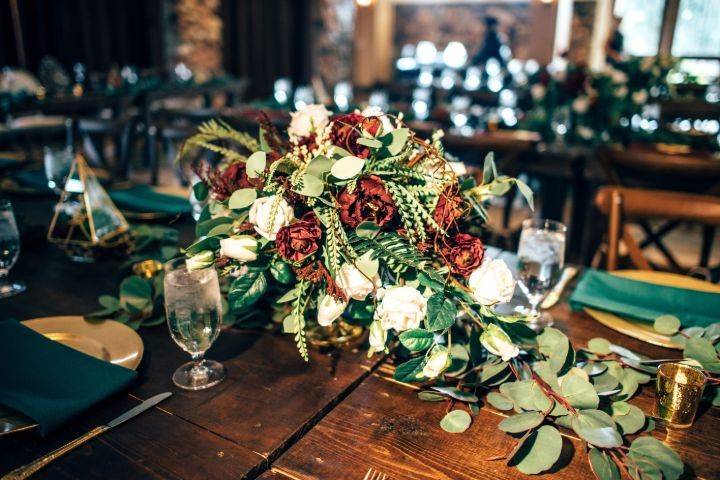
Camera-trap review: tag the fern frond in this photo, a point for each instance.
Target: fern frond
(298, 316)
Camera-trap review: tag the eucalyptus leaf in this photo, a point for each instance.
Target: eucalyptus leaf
(599, 345)
(319, 166)
(602, 465)
(310, 186)
(579, 392)
(650, 450)
(457, 394)
(702, 350)
(135, 295)
(499, 401)
(255, 165)
(242, 198)
(427, 396)
(395, 141)
(347, 168)
(109, 302)
(631, 422)
(556, 346)
(521, 422)
(539, 451)
(520, 393)
(369, 142)
(526, 192)
(597, 428)
(667, 324)
(456, 421)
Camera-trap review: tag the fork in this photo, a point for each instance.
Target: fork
(373, 474)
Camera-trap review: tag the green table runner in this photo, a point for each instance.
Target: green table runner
(142, 198)
(644, 301)
(49, 382)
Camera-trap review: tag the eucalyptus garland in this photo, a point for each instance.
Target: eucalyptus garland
(355, 217)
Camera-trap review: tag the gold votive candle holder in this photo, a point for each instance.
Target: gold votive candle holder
(679, 391)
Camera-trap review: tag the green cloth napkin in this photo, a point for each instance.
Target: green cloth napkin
(49, 382)
(34, 179)
(142, 198)
(644, 301)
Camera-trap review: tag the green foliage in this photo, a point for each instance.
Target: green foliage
(456, 421)
(538, 451)
(441, 312)
(417, 339)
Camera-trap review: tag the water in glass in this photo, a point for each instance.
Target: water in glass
(9, 250)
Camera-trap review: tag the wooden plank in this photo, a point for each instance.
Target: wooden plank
(383, 425)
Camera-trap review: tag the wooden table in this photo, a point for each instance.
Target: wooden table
(276, 417)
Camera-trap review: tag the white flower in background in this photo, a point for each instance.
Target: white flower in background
(239, 247)
(640, 97)
(377, 338)
(307, 120)
(355, 284)
(537, 91)
(375, 111)
(260, 214)
(492, 283)
(585, 132)
(329, 309)
(581, 104)
(459, 168)
(621, 92)
(437, 363)
(200, 260)
(401, 308)
(497, 342)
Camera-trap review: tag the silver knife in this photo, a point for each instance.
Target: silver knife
(26, 470)
(554, 295)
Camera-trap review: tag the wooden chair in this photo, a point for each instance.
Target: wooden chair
(621, 204)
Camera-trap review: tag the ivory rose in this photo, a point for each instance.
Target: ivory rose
(308, 120)
(329, 309)
(497, 342)
(492, 283)
(260, 214)
(401, 308)
(240, 247)
(355, 284)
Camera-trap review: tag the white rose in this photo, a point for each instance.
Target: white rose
(497, 342)
(377, 338)
(492, 283)
(580, 105)
(200, 260)
(355, 284)
(375, 111)
(329, 309)
(401, 308)
(240, 247)
(260, 216)
(537, 91)
(640, 97)
(458, 168)
(437, 363)
(308, 120)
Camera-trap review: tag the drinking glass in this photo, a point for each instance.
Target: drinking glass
(9, 250)
(57, 163)
(194, 315)
(541, 256)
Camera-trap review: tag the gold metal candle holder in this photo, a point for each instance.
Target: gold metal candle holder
(679, 390)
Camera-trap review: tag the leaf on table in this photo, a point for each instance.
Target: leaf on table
(652, 455)
(499, 401)
(602, 465)
(457, 394)
(521, 422)
(702, 350)
(579, 392)
(632, 421)
(597, 428)
(667, 324)
(456, 421)
(555, 345)
(599, 345)
(539, 451)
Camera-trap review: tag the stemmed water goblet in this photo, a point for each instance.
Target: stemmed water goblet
(541, 257)
(194, 315)
(9, 250)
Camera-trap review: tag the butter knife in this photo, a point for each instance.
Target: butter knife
(26, 470)
(554, 295)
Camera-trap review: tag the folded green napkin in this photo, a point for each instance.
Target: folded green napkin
(644, 301)
(34, 179)
(142, 198)
(49, 382)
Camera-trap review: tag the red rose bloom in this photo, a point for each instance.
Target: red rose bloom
(463, 254)
(300, 239)
(346, 130)
(369, 201)
(450, 208)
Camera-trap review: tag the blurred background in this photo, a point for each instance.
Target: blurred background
(570, 95)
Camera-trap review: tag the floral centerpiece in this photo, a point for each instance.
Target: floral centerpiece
(355, 216)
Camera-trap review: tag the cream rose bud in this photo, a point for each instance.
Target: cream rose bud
(308, 120)
(497, 342)
(329, 309)
(377, 338)
(437, 363)
(261, 212)
(492, 283)
(355, 284)
(200, 260)
(401, 308)
(239, 247)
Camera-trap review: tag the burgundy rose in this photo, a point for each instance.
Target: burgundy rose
(463, 253)
(369, 201)
(450, 208)
(300, 239)
(346, 130)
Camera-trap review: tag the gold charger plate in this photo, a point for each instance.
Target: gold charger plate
(645, 331)
(107, 340)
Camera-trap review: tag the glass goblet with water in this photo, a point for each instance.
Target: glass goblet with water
(9, 250)
(194, 315)
(541, 256)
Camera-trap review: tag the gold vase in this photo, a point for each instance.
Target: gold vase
(338, 335)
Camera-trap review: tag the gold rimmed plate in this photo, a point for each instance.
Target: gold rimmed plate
(106, 340)
(642, 330)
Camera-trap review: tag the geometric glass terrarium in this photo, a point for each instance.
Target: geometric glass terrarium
(86, 218)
